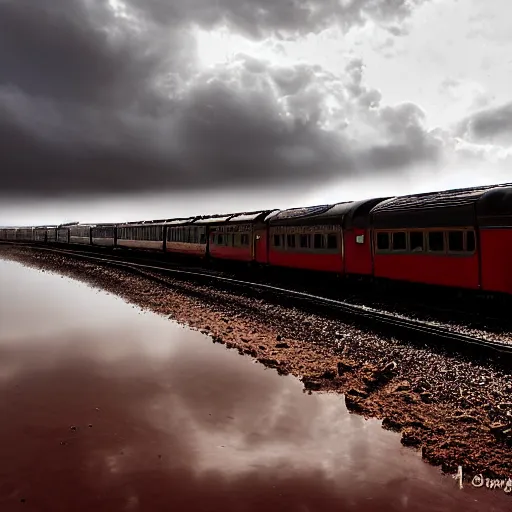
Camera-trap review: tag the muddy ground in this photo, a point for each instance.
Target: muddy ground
(458, 412)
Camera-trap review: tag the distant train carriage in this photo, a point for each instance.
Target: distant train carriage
(141, 235)
(184, 237)
(25, 234)
(494, 214)
(307, 238)
(10, 234)
(40, 234)
(51, 235)
(3, 234)
(104, 235)
(428, 238)
(63, 235)
(80, 234)
(239, 237)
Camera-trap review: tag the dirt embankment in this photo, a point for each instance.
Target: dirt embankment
(457, 412)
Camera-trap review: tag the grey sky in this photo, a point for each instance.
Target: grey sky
(132, 96)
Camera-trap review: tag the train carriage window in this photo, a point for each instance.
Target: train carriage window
(318, 241)
(202, 240)
(304, 241)
(456, 241)
(470, 241)
(436, 241)
(383, 241)
(416, 241)
(277, 240)
(399, 241)
(245, 239)
(332, 241)
(220, 240)
(290, 241)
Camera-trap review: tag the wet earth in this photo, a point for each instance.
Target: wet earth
(106, 407)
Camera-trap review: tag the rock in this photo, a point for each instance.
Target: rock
(383, 375)
(272, 363)
(410, 439)
(418, 423)
(312, 384)
(329, 374)
(391, 424)
(426, 397)
(353, 404)
(421, 385)
(262, 347)
(282, 345)
(465, 418)
(402, 386)
(501, 430)
(357, 392)
(407, 397)
(345, 366)
(279, 337)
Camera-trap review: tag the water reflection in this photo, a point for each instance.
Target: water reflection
(165, 420)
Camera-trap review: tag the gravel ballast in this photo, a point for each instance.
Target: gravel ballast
(458, 412)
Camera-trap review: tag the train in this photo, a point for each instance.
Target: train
(459, 238)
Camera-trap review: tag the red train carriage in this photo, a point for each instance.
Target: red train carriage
(307, 238)
(239, 236)
(428, 238)
(186, 238)
(494, 215)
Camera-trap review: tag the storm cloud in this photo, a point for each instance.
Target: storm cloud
(489, 125)
(99, 97)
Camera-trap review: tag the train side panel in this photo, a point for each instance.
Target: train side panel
(192, 249)
(80, 240)
(141, 244)
(433, 257)
(496, 250)
(105, 242)
(306, 261)
(458, 272)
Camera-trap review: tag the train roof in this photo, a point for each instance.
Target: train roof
(447, 208)
(494, 209)
(179, 222)
(350, 213)
(249, 217)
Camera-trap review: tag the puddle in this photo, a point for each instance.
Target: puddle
(104, 407)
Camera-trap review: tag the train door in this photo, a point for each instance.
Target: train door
(259, 245)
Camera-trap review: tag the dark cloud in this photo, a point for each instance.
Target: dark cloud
(490, 125)
(101, 99)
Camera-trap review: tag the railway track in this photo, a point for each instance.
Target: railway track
(412, 330)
